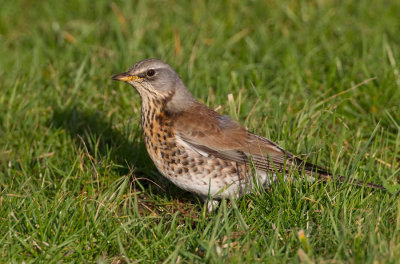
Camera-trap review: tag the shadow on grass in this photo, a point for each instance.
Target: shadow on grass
(101, 139)
(118, 145)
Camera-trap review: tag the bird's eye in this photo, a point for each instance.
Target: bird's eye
(150, 72)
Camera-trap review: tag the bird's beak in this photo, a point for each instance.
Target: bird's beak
(125, 77)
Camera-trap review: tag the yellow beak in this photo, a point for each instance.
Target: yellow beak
(125, 77)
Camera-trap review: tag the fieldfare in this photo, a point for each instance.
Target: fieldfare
(202, 151)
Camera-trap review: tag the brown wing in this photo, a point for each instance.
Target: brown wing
(222, 137)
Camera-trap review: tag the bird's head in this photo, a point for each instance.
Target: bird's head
(156, 80)
(152, 79)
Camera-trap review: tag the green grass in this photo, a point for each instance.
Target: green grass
(76, 184)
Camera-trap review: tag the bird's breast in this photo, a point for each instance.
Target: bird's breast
(160, 139)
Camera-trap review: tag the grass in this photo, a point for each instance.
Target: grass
(320, 78)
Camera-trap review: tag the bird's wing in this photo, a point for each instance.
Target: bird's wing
(212, 134)
(209, 133)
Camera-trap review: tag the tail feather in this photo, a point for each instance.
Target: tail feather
(325, 175)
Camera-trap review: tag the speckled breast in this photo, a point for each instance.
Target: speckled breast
(160, 141)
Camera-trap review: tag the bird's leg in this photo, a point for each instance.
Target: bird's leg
(211, 204)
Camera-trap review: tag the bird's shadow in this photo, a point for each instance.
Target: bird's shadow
(100, 137)
(121, 145)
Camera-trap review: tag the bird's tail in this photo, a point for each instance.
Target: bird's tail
(325, 175)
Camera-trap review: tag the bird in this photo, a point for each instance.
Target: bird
(202, 151)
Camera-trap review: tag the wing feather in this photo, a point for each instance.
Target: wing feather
(222, 137)
(212, 134)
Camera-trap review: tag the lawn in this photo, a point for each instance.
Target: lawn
(321, 78)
